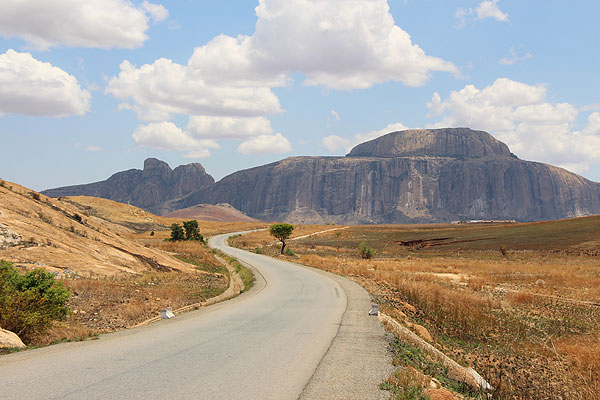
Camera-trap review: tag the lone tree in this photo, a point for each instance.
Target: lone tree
(177, 232)
(281, 232)
(191, 230)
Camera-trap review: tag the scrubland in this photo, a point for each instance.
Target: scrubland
(520, 303)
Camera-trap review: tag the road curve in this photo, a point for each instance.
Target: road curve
(265, 344)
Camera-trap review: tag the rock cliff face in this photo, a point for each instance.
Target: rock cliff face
(146, 188)
(435, 175)
(409, 176)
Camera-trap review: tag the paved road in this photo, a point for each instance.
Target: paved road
(265, 344)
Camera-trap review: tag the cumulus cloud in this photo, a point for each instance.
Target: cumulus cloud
(266, 144)
(162, 89)
(519, 115)
(226, 85)
(344, 44)
(167, 136)
(335, 143)
(485, 9)
(90, 23)
(32, 87)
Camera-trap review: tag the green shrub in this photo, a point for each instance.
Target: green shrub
(365, 251)
(177, 232)
(30, 302)
(290, 253)
(191, 230)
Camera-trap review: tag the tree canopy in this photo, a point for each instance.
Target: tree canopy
(282, 232)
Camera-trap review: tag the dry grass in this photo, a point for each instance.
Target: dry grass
(524, 319)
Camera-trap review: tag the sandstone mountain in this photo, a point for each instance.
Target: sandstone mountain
(146, 188)
(434, 175)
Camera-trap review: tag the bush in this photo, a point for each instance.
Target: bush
(191, 230)
(290, 253)
(177, 232)
(30, 302)
(365, 251)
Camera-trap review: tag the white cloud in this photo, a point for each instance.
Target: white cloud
(514, 57)
(32, 87)
(229, 127)
(335, 143)
(167, 136)
(485, 9)
(156, 11)
(344, 44)
(90, 23)
(335, 115)
(490, 9)
(266, 144)
(225, 88)
(93, 149)
(519, 115)
(164, 88)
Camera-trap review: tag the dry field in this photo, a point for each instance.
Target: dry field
(520, 303)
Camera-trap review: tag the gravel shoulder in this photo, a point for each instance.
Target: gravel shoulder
(358, 359)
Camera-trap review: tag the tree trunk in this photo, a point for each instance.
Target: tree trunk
(282, 246)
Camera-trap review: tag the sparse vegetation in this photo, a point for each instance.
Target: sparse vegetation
(30, 302)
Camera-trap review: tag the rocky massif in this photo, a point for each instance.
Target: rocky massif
(146, 188)
(436, 175)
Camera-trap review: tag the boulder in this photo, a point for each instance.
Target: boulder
(9, 339)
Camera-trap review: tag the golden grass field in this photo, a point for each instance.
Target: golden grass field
(520, 303)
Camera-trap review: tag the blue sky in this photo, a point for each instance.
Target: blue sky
(88, 88)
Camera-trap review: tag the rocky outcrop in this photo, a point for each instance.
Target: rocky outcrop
(146, 188)
(435, 175)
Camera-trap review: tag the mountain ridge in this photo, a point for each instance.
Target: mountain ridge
(411, 176)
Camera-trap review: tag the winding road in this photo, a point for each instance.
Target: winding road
(269, 343)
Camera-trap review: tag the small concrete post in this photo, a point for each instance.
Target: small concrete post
(167, 313)
(374, 310)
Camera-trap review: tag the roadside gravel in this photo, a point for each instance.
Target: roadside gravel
(358, 359)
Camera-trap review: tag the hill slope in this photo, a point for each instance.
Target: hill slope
(209, 212)
(36, 230)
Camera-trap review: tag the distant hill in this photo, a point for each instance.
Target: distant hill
(208, 212)
(39, 231)
(412, 176)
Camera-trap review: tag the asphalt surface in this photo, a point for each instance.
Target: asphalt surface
(264, 344)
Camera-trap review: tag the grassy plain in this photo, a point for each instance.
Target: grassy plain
(520, 303)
